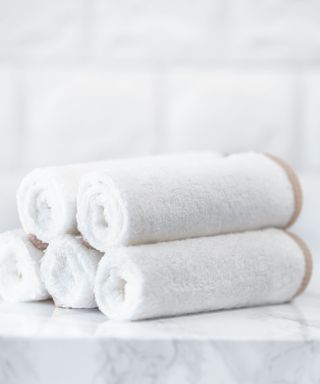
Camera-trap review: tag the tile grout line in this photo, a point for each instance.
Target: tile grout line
(146, 64)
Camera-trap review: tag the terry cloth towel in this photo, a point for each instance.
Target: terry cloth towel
(20, 268)
(161, 202)
(194, 275)
(47, 196)
(46, 200)
(68, 270)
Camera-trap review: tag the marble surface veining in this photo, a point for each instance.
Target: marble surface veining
(276, 344)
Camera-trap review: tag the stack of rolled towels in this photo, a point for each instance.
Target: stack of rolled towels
(158, 236)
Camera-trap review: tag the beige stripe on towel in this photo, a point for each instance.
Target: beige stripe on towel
(37, 243)
(308, 262)
(296, 186)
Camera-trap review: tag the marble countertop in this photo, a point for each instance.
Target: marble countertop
(295, 321)
(276, 344)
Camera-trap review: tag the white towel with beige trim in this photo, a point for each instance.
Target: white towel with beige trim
(154, 202)
(228, 271)
(20, 267)
(47, 196)
(68, 270)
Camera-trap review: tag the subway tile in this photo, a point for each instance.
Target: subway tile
(274, 30)
(159, 31)
(230, 111)
(9, 182)
(9, 140)
(311, 120)
(76, 115)
(40, 28)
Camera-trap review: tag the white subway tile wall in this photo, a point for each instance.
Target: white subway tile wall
(272, 30)
(231, 110)
(9, 181)
(311, 100)
(36, 29)
(167, 31)
(8, 122)
(86, 80)
(88, 114)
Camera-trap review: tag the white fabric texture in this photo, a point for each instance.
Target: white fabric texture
(151, 202)
(195, 275)
(47, 197)
(46, 200)
(20, 268)
(68, 270)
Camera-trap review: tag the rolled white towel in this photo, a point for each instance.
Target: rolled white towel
(46, 200)
(68, 270)
(47, 196)
(210, 273)
(161, 202)
(20, 268)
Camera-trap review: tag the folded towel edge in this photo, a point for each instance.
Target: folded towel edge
(296, 187)
(308, 263)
